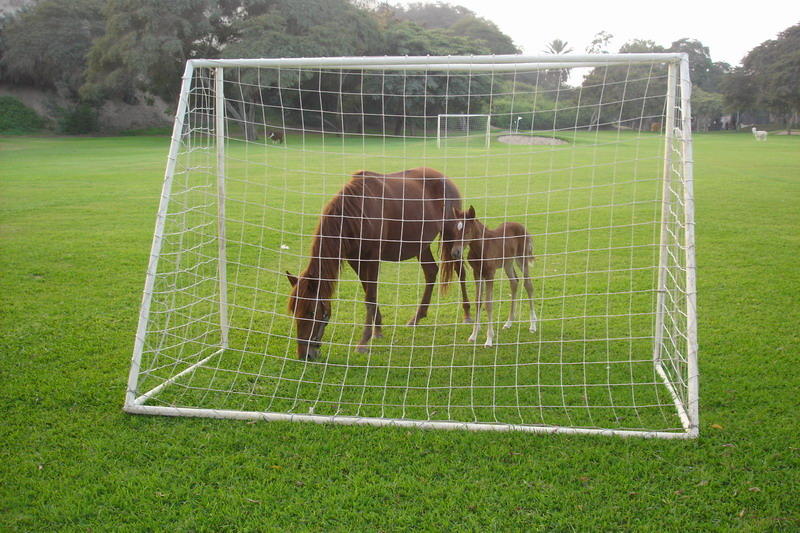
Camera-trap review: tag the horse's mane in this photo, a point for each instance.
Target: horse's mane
(338, 221)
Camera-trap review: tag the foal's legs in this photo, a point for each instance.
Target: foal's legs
(514, 281)
(462, 277)
(488, 294)
(476, 326)
(526, 276)
(430, 269)
(484, 290)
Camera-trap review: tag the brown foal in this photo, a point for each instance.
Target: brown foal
(506, 246)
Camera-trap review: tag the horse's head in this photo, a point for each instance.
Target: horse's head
(460, 230)
(311, 315)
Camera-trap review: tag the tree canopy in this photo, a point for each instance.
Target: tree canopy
(93, 50)
(47, 44)
(769, 77)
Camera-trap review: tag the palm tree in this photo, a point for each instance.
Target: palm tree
(557, 47)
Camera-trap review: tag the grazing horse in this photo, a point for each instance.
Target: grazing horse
(276, 136)
(374, 218)
(507, 245)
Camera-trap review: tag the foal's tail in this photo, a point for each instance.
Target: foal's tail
(527, 256)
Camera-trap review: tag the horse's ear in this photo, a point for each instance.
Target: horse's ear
(471, 212)
(292, 279)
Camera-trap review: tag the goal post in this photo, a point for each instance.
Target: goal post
(599, 176)
(464, 125)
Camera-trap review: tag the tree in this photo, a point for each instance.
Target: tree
(770, 77)
(458, 21)
(414, 94)
(46, 45)
(557, 46)
(557, 77)
(706, 107)
(703, 72)
(145, 46)
(739, 90)
(300, 28)
(600, 42)
(621, 95)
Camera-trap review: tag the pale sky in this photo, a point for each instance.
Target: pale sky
(730, 29)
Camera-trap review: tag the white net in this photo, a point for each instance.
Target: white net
(596, 183)
(463, 126)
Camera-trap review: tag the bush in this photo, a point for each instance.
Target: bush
(80, 119)
(16, 117)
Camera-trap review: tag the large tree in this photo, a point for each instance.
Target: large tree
(623, 95)
(424, 95)
(145, 46)
(46, 45)
(703, 71)
(299, 28)
(769, 77)
(458, 21)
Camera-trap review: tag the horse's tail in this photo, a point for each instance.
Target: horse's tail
(527, 254)
(448, 265)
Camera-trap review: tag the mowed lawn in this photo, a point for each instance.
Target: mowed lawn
(77, 221)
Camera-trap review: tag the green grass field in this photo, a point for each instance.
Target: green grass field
(77, 219)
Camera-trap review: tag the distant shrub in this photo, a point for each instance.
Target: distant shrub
(80, 119)
(16, 117)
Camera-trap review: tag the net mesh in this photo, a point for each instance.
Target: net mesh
(595, 174)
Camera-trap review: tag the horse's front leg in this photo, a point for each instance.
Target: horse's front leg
(368, 274)
(431, 270)
(462, 279)
(476, 327)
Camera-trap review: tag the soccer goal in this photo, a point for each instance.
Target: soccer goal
(463, 126)
(310, 213)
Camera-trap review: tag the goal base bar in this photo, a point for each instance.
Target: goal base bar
(138, 409)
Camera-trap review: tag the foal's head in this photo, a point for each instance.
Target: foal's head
(465, 228)
(311, 315)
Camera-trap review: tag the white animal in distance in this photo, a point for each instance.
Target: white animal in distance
(760, 135)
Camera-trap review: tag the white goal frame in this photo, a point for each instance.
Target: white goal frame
(677, 143)
(446, 116)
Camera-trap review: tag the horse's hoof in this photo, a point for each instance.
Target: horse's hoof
(507, 325)
(377, 335)
(471, 339)
(532, 328)
(468, 320)
(487, 344)
(413, 322)
(362, 349)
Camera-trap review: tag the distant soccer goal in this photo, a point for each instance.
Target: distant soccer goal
(314, 212)
(461, 126)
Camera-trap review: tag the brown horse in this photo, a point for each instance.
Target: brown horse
(506, 246)
(275, 136)
(374, 218)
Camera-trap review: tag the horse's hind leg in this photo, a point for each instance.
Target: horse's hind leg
(430, 269)
(514, 281)
(526, 277)
(488, 300)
